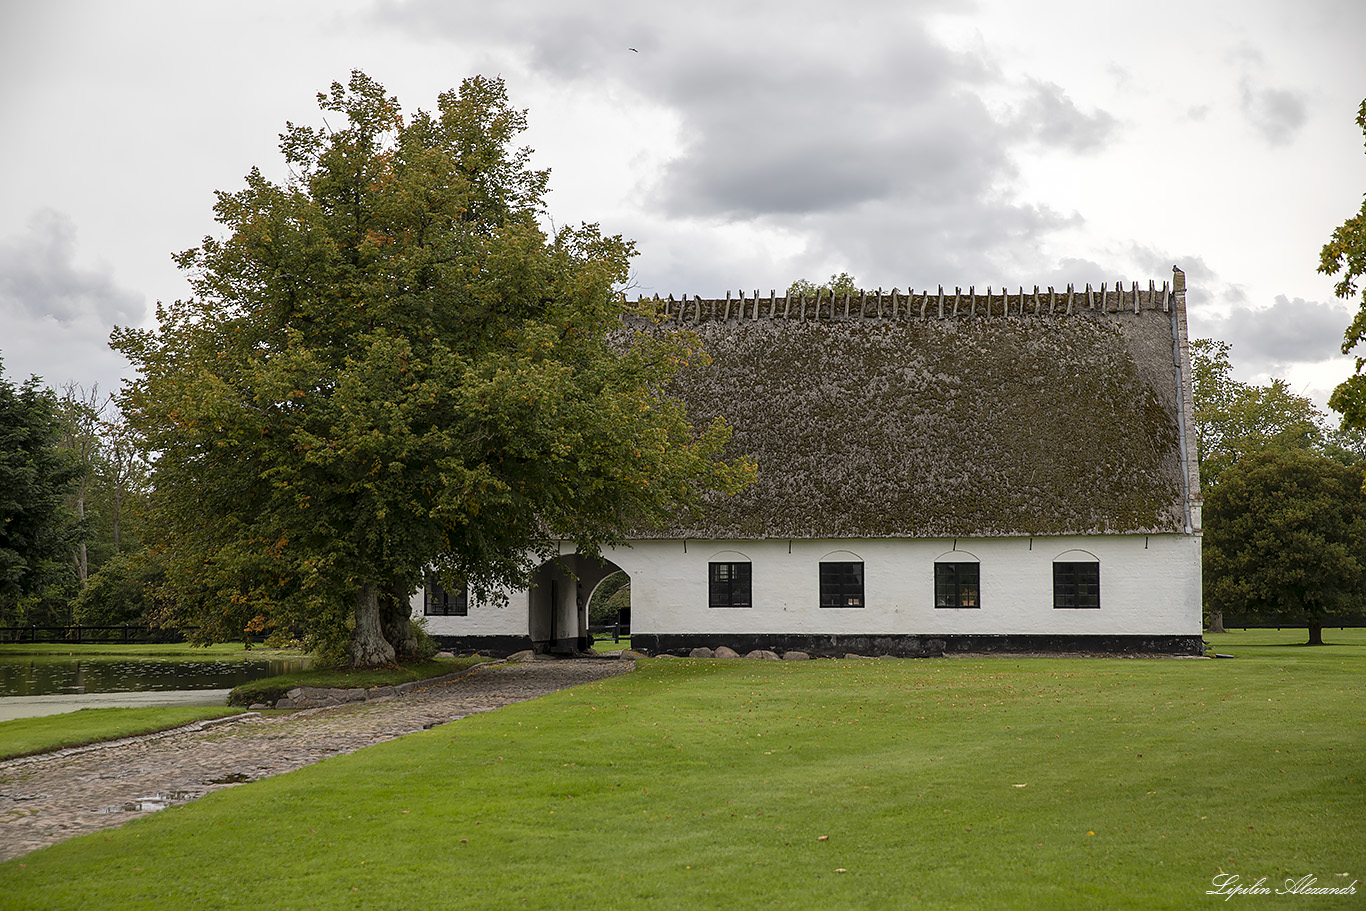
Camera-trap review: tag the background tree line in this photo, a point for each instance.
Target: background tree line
(73, 483)
(1285, 513)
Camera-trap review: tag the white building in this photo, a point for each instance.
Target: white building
(937, 472)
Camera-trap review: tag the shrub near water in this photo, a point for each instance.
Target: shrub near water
(963, 783)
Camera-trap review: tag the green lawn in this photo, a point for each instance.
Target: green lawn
(25, 736)
(955, 783)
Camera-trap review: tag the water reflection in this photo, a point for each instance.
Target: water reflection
(157, 802)
(47, 675)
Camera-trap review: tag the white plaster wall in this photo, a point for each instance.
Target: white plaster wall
(513, 618)
(485, 618)
(1149, 585)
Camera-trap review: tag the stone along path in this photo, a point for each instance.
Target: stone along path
(48, 798)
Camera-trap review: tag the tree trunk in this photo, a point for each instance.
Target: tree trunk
(82, 559)
(1315, 632)
(1216, 622)
(118, 496)
(368, 645)
(395, 613)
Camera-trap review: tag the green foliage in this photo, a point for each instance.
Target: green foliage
(388, 365)
(36, 528)
(836, 285)
(1285, 532)
(1345, 253)
(609, 598)
(1234, 419)
(967, 783)
(122, 590)
(426, 647)
(1345, 444)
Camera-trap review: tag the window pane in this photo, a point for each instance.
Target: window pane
(968, 576)
(1076, 585)
(1088, 585)
(841, 584)
(728, 584)
(438, 602)
(956, 584)
(945, 585)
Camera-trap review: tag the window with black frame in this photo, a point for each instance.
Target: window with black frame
(841, 585)
(438, 602)
(1076, 586)
(957, 585)
(728, 585)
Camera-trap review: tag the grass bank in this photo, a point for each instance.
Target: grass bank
(955, 783)
(269, 689)
(27, 736)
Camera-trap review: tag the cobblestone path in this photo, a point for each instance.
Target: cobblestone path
(49, 798)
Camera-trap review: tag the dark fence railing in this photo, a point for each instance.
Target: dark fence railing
(1273, 621)
(79, 633)
(617, 631)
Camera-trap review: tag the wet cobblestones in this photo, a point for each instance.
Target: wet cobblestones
(46, 799)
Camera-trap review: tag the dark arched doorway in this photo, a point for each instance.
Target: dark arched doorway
(557, 605)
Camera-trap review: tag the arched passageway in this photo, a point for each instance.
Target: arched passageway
(557, 605)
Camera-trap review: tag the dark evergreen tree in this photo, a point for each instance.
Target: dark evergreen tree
(36, 528)
(1285, 533)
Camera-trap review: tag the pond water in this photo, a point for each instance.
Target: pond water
(51, 675)
(32, 685)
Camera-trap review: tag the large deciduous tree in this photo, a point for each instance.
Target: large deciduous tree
(1285, 533)
(1345, 253)
(388, 364)
(1234, 419)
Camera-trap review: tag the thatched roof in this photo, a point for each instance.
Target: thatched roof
(1021, 415)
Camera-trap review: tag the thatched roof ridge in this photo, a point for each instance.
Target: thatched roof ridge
(896, 304)
(1018, 420)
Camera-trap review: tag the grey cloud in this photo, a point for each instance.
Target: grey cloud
(806, 162)
(880, 243)
(958, 242)
(55, 315)
(1277, 114)
(1157, 265)
(793, 108)
(1078, 272)
(1053, 119)
(1289, 331)
(39, 279)
(855, 131)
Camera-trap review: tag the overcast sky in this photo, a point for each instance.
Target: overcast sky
(741, 144)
